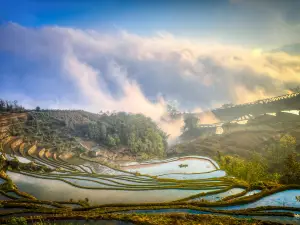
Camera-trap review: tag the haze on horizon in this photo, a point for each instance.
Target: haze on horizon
(135, 56)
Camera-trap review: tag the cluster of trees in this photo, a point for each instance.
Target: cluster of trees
(173, 111)
(191, 123)
(277, 162)
(56, 130)
(191, 129)
(10, 106)
(251, 170)
(142, 136)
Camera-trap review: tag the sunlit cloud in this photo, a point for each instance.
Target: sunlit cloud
(123, 71)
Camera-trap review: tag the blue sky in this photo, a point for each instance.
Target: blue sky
(122, 54)
(232, 21)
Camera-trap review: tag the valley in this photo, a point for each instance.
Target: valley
(73, 166)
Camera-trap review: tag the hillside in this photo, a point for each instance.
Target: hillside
(73, 161)
(68, 133)
(269, 105)
(240, 139)
(122, 136)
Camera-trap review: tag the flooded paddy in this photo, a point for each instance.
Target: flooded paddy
(184, 165)
(55, 190)
(284, 198)
(218, 197)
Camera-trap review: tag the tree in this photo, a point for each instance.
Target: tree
(277, 152)
(288, 143)
(111, 141)
(172, 110)
(252, 170)
(190, 122)
(37, 109)
(2, 105)
(103, 131)
(291, 173)
(10, 106)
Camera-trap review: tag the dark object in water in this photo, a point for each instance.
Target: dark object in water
(183, 165)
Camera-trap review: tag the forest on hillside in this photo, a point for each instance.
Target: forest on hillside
(278, 162)
(143, 137)
(58, 129)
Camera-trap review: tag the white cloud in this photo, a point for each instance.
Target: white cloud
(123, 71)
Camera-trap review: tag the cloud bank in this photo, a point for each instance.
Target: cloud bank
(62, 67)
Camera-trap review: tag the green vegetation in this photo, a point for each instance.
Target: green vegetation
(144, 219)
(191, 122)
(190, 128)
(58, 130)
(277, 162)
(10, 106)
(17, 221)
(139, 133)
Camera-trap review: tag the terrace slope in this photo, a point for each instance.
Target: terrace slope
(243, 139)
(275, 104)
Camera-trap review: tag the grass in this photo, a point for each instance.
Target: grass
(143, 219)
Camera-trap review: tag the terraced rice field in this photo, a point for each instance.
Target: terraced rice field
(85, 187)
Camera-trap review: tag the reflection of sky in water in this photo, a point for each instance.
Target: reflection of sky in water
(214, 174)
(98, 168)
(3, 197)
(253, 192)
(194, 166)
(88, 169)
(85, 183)
(219, 196)
(283, 219)
(284, 198)
(296, 112)
(23, 160)
(54, 190)
(2, 181)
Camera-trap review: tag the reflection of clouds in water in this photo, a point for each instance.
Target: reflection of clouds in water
(2, 181)
(54, 190)
(215, 197)
(22, 159)
(215, 174)
(296, 112)
(98, 168)
(284, 198)
(194, 166)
